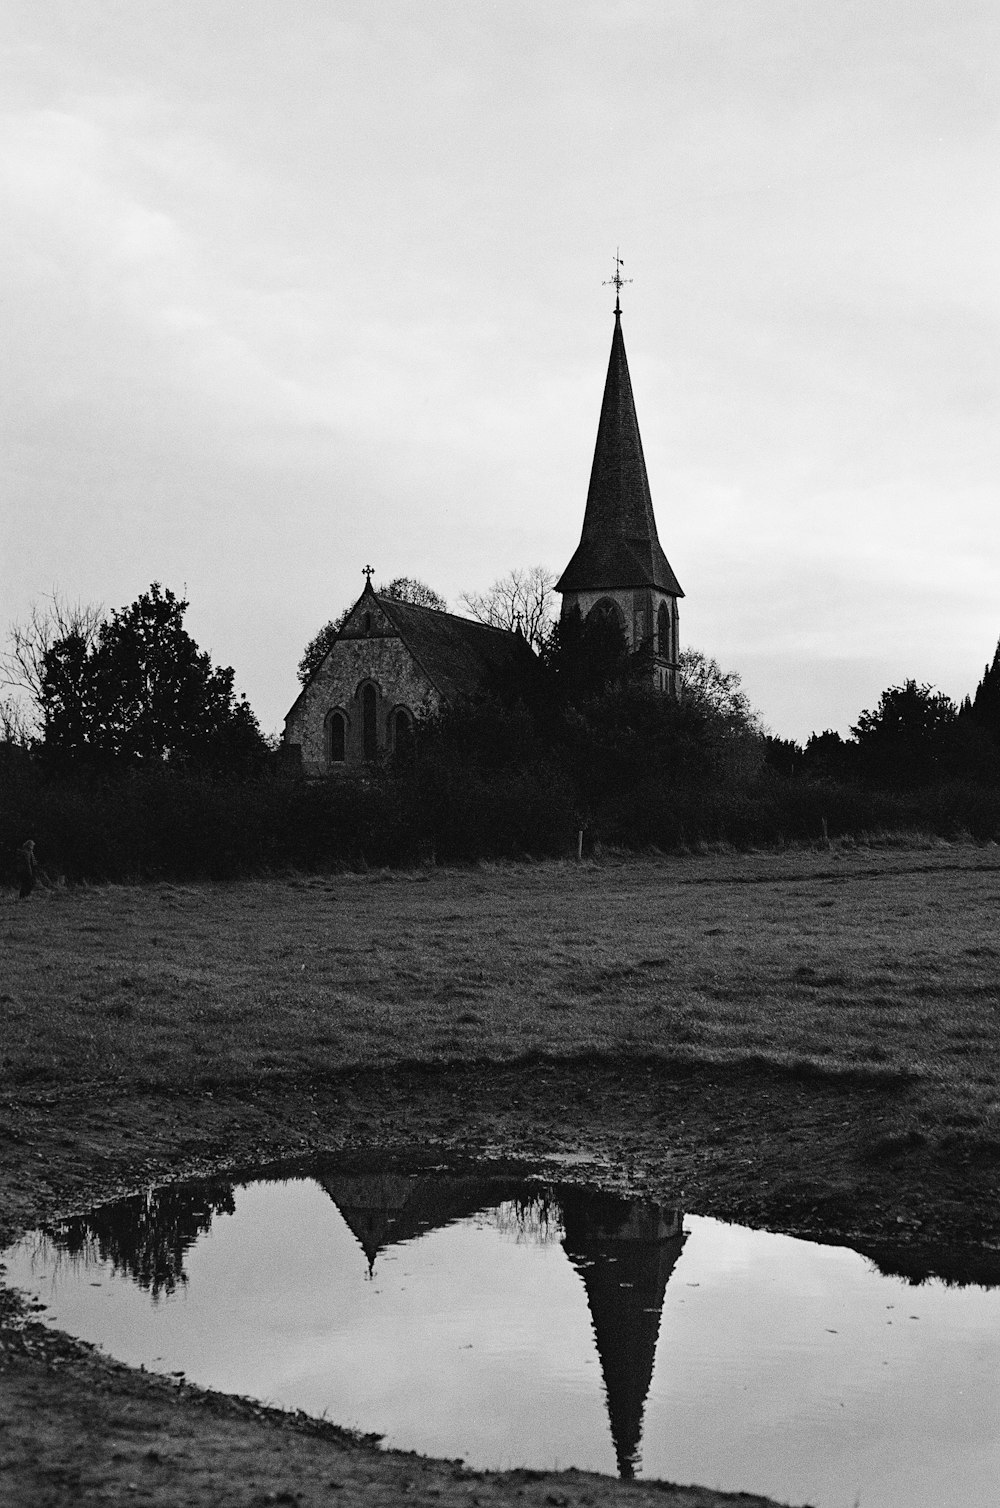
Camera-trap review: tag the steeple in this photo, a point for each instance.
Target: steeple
(619, 547)
(625, 1251)
(619, 572)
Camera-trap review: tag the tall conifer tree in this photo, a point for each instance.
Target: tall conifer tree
(984, 708)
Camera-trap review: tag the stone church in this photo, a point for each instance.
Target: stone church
(392, 661)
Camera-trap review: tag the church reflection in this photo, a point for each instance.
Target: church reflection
(623, 1251)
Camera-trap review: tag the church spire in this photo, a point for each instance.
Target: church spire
(619, 548)
(625, 1251)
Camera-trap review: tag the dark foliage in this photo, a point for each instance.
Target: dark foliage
(319, 646)
(146, 1236)
(573, 739)
(582, 657)
(983, 709)
(829, 757)
(169, 825)
(783, 755)
(911, 738)
(143, 693)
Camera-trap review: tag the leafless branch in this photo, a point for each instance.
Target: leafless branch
(522, 598)
(22, 662)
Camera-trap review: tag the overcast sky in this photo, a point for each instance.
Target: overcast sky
(292, 286)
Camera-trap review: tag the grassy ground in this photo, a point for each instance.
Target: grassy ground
(806, 1040)
(863, 962)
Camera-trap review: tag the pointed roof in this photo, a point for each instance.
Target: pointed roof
(625, 1251)
(385, 1209)
(459, 655)
(619, 546)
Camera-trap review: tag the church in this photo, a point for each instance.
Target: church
(393, 662)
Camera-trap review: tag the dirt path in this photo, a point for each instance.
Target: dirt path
(808, 1157)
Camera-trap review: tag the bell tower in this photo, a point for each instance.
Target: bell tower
(619, 567)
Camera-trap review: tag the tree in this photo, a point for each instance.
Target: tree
(14, 731)
(143, 693)
(22, 663)
(409, 589)
(984, 708)
(521, 599)
(829, 756)
(401, 588)
(701, 682)
(319, 646)
(909, 738)
(783, 755)
(584, 657)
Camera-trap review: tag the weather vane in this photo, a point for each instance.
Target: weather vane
(618, 280)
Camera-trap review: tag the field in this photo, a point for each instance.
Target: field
(804, 1039)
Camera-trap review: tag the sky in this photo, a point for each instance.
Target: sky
(288, 287)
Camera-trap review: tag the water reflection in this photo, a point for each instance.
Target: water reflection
(522, 1322)
(623, 1250)
(145, 1236)
(385, 1209)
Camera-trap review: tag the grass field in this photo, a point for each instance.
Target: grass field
(858, 963)
(801, 1040)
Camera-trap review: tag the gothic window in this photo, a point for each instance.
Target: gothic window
(368, 624)
(402, 733)
(336, 738)
(369, 723)
(663, 631)
(607, 611)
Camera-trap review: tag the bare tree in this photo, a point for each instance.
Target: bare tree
(14, 722)
(22, 663)
(521, 599)
(703, 683)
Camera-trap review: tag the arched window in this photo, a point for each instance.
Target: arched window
(607, 611)
(368, 624)
(605, 637)
(369, 723)
(402, 733)
(663, 631)
(336, 738)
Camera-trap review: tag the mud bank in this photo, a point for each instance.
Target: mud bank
(812, 1157)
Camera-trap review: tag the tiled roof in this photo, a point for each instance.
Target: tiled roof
(459, 655)
(619, 546)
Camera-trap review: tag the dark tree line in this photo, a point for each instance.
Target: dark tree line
(135, 725)
(133, 689)
(915, 736)
(582, 722)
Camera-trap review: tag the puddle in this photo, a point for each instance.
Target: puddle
(524, 1323)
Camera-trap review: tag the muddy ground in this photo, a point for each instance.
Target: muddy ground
(805, 1156)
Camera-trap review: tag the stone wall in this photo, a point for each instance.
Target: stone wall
(368, 652)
